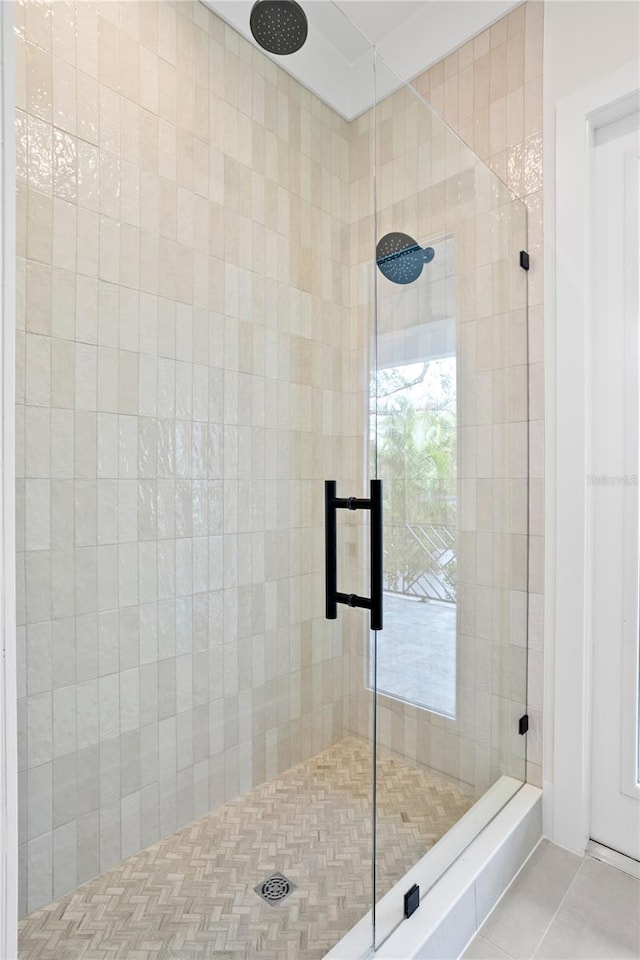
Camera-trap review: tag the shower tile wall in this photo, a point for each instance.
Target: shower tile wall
(182, 291)
(429, 185)
(490, 92)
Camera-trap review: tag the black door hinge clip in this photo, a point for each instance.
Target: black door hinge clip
(411, 900)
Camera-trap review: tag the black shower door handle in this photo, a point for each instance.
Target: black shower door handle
(332, 504)
(376, 554)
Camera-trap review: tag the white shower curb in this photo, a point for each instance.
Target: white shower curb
(456, 905)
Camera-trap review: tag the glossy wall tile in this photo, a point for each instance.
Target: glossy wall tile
(194, 276)
(183, 283)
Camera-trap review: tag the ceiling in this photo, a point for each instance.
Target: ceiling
(336, 62)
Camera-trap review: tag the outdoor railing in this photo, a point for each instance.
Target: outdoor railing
(420, 560)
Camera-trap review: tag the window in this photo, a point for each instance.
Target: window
(416, 420)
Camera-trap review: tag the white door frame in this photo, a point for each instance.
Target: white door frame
(615, 802)
(8, 729)
(568, 627)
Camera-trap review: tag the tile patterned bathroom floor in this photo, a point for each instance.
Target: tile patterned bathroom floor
(563, 907)
(191, 896)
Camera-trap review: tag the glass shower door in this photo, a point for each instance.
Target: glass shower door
(449, 441)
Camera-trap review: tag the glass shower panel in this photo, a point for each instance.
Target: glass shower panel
(449, 440)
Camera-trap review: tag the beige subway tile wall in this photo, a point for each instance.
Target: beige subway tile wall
(183, 291)
(195, 280)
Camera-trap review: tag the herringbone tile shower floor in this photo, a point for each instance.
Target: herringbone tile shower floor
(191, 896)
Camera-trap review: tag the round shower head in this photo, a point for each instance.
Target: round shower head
(400, 259)
(278, 26)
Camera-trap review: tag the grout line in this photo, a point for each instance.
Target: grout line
(546, 930)
(560, 905)
(501, 949)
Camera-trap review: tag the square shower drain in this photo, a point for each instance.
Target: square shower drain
(275, 889)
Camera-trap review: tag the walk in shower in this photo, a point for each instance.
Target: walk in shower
(217, 314)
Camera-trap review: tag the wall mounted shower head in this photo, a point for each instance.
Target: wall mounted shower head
(278, 26)
(400, 259)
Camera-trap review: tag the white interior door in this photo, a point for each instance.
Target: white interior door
(613, 554)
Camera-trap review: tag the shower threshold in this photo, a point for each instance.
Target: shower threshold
(192, 895)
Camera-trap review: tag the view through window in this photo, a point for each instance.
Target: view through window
(417, 450)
